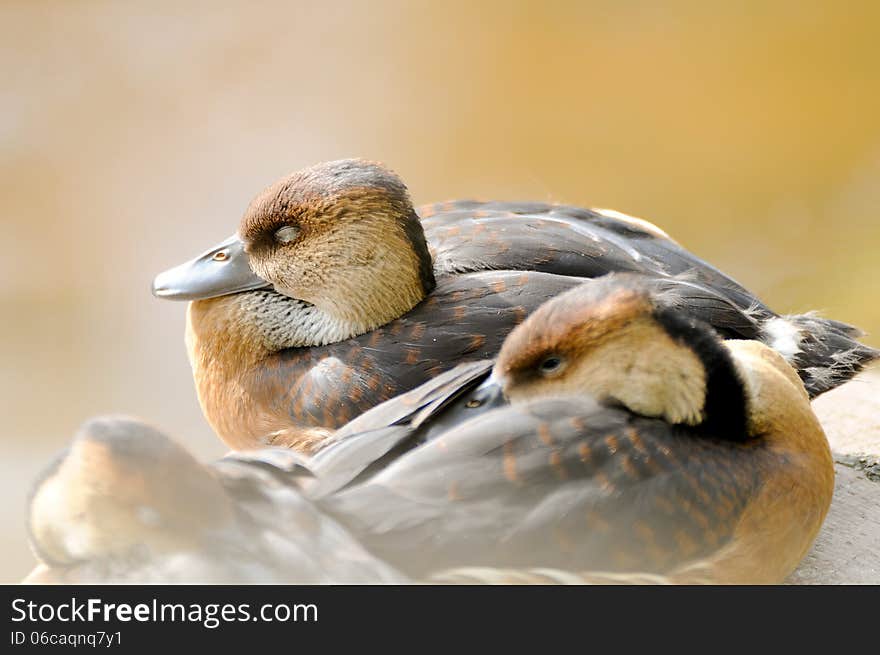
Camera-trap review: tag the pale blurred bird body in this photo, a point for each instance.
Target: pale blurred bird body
(637, 446)
(335, 296)
(127, 504)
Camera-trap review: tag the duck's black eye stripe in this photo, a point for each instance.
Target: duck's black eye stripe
(725, 407)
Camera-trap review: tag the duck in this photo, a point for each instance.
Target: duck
(614, 439)
(335, 295)
(125, 503)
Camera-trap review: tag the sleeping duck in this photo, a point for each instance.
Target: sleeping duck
(124, 503)
(334, 295)
(614, 439)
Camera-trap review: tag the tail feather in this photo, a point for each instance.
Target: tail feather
(824, 351)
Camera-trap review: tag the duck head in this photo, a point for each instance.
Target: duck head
(122, 488)
(341, 236)
(620, 340)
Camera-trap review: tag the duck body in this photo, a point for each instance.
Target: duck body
(567, 485)
(587, 483)
(362, 299)
(587, 488)
(295, 396)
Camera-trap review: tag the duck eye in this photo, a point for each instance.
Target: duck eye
(550, 365)
(286, 234)
(220, 256)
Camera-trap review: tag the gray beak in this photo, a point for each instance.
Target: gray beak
(489, 395)
(222, 270)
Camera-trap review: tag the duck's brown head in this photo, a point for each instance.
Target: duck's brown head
(344, 237)
(616, 338)
(341, 236)
(122, 488)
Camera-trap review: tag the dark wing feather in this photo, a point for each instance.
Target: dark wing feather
(470, 236)
(430, 396)
(704, 303)
(382, 434)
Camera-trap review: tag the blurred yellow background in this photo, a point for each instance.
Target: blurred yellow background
(134, 134)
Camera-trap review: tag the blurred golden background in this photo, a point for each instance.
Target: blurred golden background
(134, 134)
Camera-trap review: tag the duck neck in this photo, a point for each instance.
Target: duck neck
(228, 338)
(251, 326)
(725, 408)
(354, 304)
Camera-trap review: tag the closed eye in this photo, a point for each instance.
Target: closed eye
(286, 234)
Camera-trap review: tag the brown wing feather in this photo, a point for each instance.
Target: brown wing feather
(469, 236)
(562, 484)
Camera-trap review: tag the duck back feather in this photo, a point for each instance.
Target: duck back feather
(566, 240)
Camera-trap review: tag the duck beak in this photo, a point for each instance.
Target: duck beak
(222, 270)
(489, 394)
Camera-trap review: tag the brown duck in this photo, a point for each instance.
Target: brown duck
(637, 447)
(335, 296)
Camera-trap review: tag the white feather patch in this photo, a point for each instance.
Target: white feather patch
(647, 226)
(783, 336)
